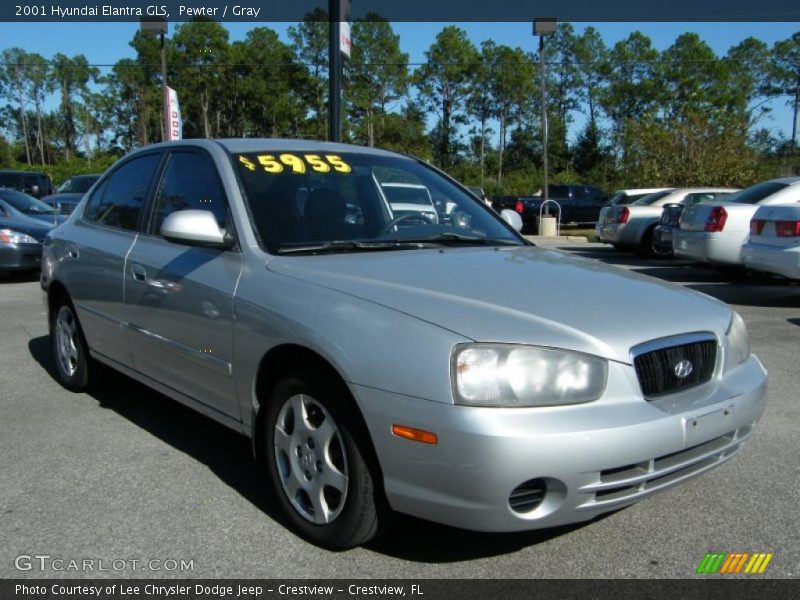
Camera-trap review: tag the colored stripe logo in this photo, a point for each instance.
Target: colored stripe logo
(735, 563)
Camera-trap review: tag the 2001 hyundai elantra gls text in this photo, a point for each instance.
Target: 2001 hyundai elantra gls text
(443, 368)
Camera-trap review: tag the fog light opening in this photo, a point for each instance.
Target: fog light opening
(528, 496)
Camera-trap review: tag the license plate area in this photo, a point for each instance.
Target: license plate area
(704, 427)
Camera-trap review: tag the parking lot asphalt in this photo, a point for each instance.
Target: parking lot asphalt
(125, 473)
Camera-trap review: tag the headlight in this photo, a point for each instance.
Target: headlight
(737, 343)
(515, 375)
(9, 236)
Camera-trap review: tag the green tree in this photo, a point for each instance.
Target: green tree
(443, 84)
(786, 77)
(310, 41)
(378, 76)
(201, 49)
(14, 80)
(70, 76)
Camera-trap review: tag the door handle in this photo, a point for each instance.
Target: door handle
(138, 273)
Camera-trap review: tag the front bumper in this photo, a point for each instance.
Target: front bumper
(595, 457)
(20, 257)
(772, 259)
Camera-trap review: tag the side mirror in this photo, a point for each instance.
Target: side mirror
(512, 218)
(195, 228)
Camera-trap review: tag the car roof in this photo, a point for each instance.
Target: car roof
(643, 190)
(247, 145)
(786, 180)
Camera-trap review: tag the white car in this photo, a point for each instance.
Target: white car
(622, 197)
(410, 199)
(774, 244)
(632, 226)
(715, 233)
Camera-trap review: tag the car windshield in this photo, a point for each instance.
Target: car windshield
(77, 185)
(26, 204)
(337, 203)
(651, 198)
(756, 193)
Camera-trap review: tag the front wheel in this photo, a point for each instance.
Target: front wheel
(317, 461)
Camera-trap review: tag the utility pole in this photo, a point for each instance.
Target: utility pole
(338, 44)
(544, 27)
(156, 25)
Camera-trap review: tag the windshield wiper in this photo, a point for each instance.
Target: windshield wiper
(449, 237)
(349, 246)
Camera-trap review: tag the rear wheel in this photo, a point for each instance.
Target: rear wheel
(650, 247)
(74, 367)
(318, 462)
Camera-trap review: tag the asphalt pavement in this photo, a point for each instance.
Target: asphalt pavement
(126, 474)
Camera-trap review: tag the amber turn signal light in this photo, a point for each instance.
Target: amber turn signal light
(415, 435)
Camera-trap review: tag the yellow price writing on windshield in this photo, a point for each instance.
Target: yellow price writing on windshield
(295, 163)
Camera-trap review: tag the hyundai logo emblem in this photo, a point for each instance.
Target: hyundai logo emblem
(683, 369)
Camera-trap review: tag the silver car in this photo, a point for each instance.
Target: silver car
(450, 371)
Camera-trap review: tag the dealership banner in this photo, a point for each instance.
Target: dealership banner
(172, 114)
(425, 589)
(407, 10)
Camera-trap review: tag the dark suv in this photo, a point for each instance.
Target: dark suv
(34, 183)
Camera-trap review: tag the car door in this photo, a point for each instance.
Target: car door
(179, 297)
(93, 263)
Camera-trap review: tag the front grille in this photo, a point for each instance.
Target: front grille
(629, 483)
(658, 371)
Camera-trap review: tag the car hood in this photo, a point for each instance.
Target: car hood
(33, 227)
(74, 197)
(519, 295)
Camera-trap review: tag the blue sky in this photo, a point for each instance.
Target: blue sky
(105, 43)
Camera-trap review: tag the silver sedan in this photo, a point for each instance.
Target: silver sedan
(446, 369)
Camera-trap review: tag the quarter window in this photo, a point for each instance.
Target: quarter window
(119, 201)
(190, 183)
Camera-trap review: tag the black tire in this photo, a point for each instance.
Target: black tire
(649, 246)
(74, 367)
(357, 510)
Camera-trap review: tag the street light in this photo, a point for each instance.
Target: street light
(544, 27)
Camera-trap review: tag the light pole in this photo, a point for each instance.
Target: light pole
(338, 43)
(544, 27)
(155, 25)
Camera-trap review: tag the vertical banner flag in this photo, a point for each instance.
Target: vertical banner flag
(344, 29)
(172, 114)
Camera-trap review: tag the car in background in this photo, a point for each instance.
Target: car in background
(451, 371)
(409, 199)
(478, 191)
(21, 239)
(632, 226)
(69, 193)
(577, 205)
(19, 204)
(622, 197)
(670, 219)
(715, 232)
(774, 244)
(36, 184)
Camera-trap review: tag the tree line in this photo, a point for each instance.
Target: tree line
(639, 116)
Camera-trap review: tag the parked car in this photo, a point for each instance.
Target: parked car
(578, 204)
(18, 204)
(36, 184)
(774, 244)
(409, 199)
(670, 219)
(715, 232)
(69, 193)
(451, 371)
(632, 226)
(622, 198)
(20, 239)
